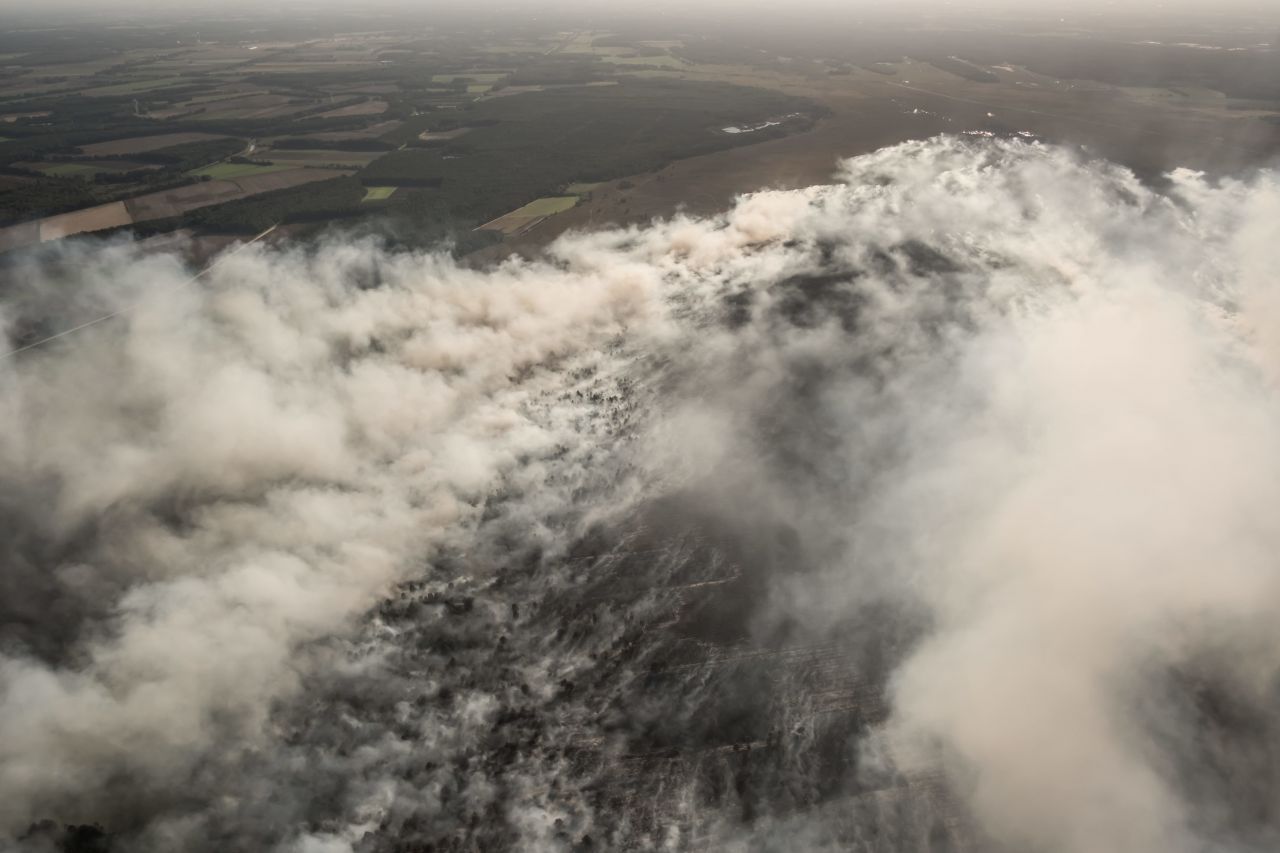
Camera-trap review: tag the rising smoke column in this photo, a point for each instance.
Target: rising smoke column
(1015, 393)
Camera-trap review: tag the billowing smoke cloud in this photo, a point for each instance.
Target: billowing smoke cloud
(233, 473)
(350, 550)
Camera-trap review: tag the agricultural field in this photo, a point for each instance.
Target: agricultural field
(372, 107)
(489, 77)
(264, 106)
(446, 129)
(314, 157)
(89, 219)
(453, 129)
(70, 170)
(88, 169)
(228, 171)
(177, 202)
(528, 216)
(142, 144)
(93, 219)
(485, 123)
(443, 135)
(137, 86)
(522, 148)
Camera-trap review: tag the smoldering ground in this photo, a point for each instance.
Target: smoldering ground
(927, 510)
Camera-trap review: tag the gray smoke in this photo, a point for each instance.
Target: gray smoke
(353, 550)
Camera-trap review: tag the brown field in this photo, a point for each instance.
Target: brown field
(437, 135)
(139, 144)
(371, 107)
(63, 225)
(511, 90)
(508, 91)
(253, 106)
(371, 132)
(381, 127)
(13, 117)
(80, 221)
(172, 112)
(162, 205)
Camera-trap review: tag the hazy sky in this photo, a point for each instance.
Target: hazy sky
(1126, 8)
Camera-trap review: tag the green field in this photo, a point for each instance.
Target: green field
(378, 193)
(518, 221)
(229, 171)
(582, 189)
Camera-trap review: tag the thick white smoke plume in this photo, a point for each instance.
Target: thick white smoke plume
(293, 554)
(238, 471)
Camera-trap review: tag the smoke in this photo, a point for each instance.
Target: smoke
(1085, 512)
(930, 506)
(233, 473)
